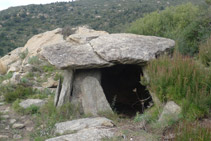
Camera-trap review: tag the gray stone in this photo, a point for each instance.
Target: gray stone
(29, 102)
(12, 121)
(171, 111)
(58, 91)
(79, 124)
(130, 48)
(5, 116)
(66, 55)
(16, 136)
(106, 50)
(3, 137)
(1, 103)
(66, 88)
(89, 134)
(18, 126)
(93, 97)
(77, 82)
(51, 83)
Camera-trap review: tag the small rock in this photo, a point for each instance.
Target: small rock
(7, 127)
(5, 116)
(16, 136)
(29, 128)
(169, 137)
(29, 102)
(6, 110)
(18, 126)
(51, 83)
(1, 103)
(3, 137)
(142, 124)
(12, 121)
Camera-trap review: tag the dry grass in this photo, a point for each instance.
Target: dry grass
(3, 68)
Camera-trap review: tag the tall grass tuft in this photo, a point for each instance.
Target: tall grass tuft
(180, 79)
(193, 132)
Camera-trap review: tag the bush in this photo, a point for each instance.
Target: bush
(205, 53)
(17, 92)
(181, 80)
(34, 60)
(187, 24)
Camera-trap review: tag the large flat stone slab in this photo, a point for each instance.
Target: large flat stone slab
(79, 124)
(89, 134)
(29, 102)
(130, 48)
(64, 55)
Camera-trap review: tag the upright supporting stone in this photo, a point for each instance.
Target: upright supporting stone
(66, 88)
(57, 94)
(79, 76)
(93, 97)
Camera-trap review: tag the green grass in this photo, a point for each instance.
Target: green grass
(48, 115)
(193, 132)
(180, 79)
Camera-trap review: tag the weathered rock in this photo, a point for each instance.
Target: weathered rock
(89, 134)
(51, 83)
(83, 35)
(37, 42)
(2, 137)
(130, 48)
(12, 121)
(15, 78)
(3, 68)
(106, 49)
(58, 91)
(15, 67)
(76, 98)
(66, 55)
(79, 124)
(171, 111)
(29, 102)
(5, 116)
(11, 57)
(66, 88)
(18, 126)
(93, 97)
(17, 136)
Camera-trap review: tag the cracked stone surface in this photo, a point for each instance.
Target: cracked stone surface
(104, 50)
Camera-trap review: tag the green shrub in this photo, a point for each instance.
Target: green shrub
(34, 60)
(180, 79)
(187, 24)
(205, 53)
(23, 55)
(6, 77)
(17, 92)
(48, 68)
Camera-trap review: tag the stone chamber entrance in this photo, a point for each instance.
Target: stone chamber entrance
(123, 90)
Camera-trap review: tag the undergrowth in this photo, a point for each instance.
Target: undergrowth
(180, 79)
(193, 132)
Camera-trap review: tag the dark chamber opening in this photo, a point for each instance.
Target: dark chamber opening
(121, 85)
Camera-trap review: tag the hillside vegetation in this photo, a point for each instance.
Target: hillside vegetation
(187, 24)
(18, 24)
